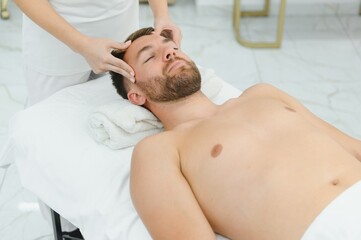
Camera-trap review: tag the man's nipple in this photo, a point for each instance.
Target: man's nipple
(216, 150)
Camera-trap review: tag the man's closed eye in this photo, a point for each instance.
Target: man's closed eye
(149, 59)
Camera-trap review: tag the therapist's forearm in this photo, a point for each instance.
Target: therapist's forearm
(42, 13)
(159, 8)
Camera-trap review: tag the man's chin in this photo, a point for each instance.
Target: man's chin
(184, 70)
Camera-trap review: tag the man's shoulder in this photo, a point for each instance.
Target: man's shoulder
(156, 138)
(161, 143)
(261, 90)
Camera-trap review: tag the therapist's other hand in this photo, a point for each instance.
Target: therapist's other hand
(161, 24)
(97, 52)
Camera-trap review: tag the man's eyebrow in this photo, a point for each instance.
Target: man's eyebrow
(147, 47)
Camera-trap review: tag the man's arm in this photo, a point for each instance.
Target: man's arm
(352, 145)
(162, 196)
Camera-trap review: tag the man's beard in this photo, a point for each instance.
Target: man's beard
(185, 82)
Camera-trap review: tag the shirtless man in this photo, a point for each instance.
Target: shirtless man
(260, 166)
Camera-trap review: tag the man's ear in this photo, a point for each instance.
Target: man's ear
(136, 97)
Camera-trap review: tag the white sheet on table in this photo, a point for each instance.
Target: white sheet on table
(83, 181)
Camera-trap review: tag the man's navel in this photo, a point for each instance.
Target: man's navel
(335, 182)
(290, 109)
(216, 150)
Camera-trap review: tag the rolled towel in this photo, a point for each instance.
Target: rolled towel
(120, 124)
(211, 83)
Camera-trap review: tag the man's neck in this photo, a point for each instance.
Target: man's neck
(194, 107)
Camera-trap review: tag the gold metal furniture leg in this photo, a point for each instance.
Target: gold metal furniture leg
(4, 12)
(238, 13)
(261, 13)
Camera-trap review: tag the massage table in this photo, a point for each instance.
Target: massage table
(83, 181)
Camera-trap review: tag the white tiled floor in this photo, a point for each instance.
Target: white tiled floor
(319, 64)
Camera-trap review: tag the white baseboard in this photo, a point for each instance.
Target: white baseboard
(169, 1)
(293, 7)
(251, 2)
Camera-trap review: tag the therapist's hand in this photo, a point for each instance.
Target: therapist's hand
(97, 52)
(165, 23)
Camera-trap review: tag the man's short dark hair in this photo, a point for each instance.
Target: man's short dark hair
(118, 79)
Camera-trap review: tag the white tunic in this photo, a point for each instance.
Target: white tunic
(113, 19)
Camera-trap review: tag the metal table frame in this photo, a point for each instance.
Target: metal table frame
(58, 233)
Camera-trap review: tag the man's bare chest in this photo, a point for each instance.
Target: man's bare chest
(242, 122)
(241, 133)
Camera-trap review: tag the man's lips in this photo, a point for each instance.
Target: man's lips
(175, 65)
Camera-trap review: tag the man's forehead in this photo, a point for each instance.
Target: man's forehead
(138, 44)
(148, 41)
(144, 41)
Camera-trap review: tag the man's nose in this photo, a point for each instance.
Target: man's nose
(169, 54)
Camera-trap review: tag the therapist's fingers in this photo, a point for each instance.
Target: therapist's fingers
(177, 37)
(121, 46)
(119, 66)
(165, 24)
(97, 52)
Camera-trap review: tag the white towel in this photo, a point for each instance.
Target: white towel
(120, 124)
(211, 83)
